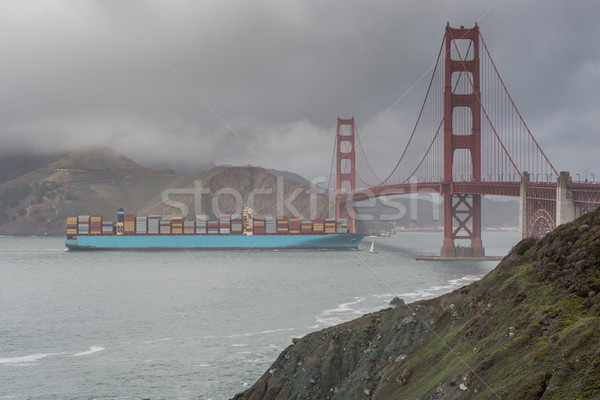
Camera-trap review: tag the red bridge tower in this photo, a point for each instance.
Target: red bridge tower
(345, 170)
(462, 212)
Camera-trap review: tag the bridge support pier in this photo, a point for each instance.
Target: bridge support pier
(462, 220)
(523, 206)
(565, 205)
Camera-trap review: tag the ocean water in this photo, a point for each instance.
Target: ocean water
(192, 325)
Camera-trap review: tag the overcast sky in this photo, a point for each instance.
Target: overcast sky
(278, 73)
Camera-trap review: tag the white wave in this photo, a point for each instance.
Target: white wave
(238, 345)
(465, 280)
(259, 333)
(344, 307)
(24, 359)
(438, 290)
(92, 350)
(340, 314)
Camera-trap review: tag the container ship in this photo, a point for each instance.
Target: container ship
(249, 232)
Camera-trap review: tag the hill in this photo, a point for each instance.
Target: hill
(99, 181)
(16, 164)
(527, 330)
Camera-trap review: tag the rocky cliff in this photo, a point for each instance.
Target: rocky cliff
(529, 330)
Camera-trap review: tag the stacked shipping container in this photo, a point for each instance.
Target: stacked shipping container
(129, 224)
(83, 224)
(225, 225)
(177, 225)
(213, 227)
(282, 225)
(294, 225)
(107, 228)
(330, 225)
(189, 227)
(201, 221)
(318, 226)
(96, 225)
(153, 224)
(141, 225)
(306, 227)
(165, 225)
(342, 225)
(259, 224)
(270, 225)
(236, 226)
(71, 225)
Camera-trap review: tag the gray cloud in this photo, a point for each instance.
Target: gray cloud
(279, 73)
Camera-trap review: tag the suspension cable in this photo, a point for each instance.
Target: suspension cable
(439, 126)
(514, 105)
(367, 160)
(483, 108)
(419, 117)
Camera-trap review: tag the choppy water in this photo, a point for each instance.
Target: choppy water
(191, 325)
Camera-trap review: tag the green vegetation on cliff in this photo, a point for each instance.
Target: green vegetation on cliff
(530, 329)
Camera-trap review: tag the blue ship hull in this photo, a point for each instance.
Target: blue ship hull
(214, 242)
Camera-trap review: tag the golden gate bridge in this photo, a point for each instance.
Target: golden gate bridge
(469, 140)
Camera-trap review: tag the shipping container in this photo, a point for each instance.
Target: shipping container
(129, 224)
(107, 228)
(330, 225)
(141, 225)
(318, 226)
(282, 225)
(225, 224)
(294, 225)
(153, 224)
(96, 225)
(270, 225)
(342, 225)
(165, 225)
(306, 227)
(236, 226)
(201, 224)
(212, 227)
(259, 225)
(189, 227)
(83, 224)
(177, 225)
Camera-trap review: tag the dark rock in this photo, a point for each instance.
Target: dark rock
(396, 301)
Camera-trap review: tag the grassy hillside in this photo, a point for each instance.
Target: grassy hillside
(528, 330)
